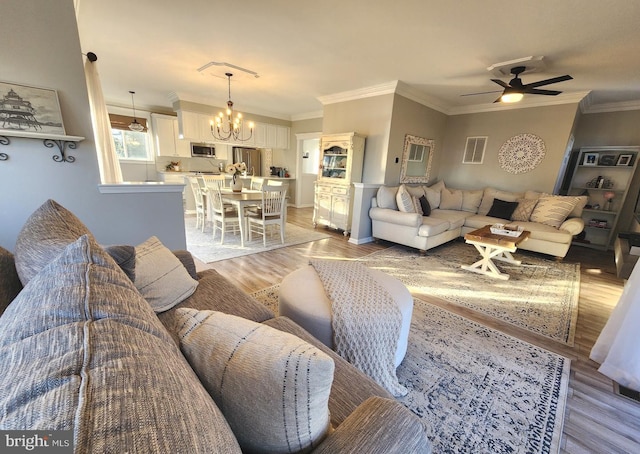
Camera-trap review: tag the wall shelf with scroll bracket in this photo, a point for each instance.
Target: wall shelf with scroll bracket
(62, 142)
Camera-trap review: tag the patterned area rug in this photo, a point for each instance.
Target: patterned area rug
(540, 296)
(202, 245)
(475, 389)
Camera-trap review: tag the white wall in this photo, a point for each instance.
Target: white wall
(43, 49)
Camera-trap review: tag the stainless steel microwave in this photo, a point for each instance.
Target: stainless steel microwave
(203, 150)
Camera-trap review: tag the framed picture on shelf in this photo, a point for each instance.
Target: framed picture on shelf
(624, 160)
(590, 159)
(607, 160)
(30, 109)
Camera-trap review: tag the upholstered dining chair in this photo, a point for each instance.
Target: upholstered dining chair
(223, 219)
(199, 202)
(272, 213)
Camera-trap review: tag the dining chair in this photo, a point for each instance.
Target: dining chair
(223, 219)
(272, 213)
(199, 202)
(256, 183)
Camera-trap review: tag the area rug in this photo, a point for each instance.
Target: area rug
(540, 296)
(475, 389)
(208, 250)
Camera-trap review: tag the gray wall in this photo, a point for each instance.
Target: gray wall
(49, 55)
(553, 124)
(370, 117)
(410, 117)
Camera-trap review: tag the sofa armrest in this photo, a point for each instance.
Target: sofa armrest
(379, 425)
(573, 225)
(395, 217)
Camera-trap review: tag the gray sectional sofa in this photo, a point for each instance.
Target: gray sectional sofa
(84, 348)
(397, 215)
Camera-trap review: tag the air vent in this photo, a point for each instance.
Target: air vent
(474, 150)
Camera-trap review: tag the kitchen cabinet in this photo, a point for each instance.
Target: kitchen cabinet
(277, 136)
(604, 175)
(166, 137)
(342, 157)
(189, 128)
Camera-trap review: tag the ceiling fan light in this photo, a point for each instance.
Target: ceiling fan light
(511, 97)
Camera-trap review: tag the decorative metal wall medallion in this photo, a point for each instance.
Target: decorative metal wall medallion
(521, 153)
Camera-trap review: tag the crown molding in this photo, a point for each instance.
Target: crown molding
(361, 93)
(587, 107)
(307, 116)
(564, 98)
(432, 102)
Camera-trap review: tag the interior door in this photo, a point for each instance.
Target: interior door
(308, 162)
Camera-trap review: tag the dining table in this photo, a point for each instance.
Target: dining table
(240, 200)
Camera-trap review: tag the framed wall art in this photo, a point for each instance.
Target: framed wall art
(29, 109)
(624, 160)
(590, 159)
(607, 160)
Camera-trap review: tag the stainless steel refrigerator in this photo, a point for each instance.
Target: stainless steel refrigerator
(251, 157)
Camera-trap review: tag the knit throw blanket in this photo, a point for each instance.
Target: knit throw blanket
(365, 320)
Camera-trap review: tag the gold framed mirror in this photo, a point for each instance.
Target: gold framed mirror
(416, 159)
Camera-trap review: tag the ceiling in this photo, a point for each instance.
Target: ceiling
(308, 51)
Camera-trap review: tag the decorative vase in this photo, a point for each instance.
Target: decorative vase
(236, 183)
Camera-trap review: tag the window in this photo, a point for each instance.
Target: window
(474, 150)
(131, 145)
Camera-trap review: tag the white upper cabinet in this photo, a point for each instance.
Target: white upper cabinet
(166, 137)
(196, 127)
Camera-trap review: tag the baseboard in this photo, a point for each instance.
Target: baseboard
(361, 240)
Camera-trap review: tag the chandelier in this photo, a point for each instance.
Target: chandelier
(226, 127)
(134, 125)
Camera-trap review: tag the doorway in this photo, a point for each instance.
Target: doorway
(307, 164)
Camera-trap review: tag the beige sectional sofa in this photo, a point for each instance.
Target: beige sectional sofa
(397, 215)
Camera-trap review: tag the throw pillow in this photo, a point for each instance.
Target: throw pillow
(524, 209)
(10, 284)
(44, 235)
(386, 197)
(416, 205)
(88, 353)
(272, 386)
(424, 204)
(433, 193)
(553, 210)
(404, 201)
(160, 276)
(125, 258)
(502, 209)
(450, 199)
(490, 194)
(471, 200)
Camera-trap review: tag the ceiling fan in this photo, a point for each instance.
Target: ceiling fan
(515, 89)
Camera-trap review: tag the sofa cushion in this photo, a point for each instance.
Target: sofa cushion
(386, 197)
(272, 387)
(10, 284)
(433, 193)
(491, 193)
(450, 199)
(404, 200)
(477, 221)
(160, 276)
(544, 232)
(93, 358)
(471, 200)
(524, 209)
(553, 210)
(502, 209)
(432, 226)
(425, 206)
(44, 235)
(415, 191)
(455, 218)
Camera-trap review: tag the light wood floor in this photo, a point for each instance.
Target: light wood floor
(596, 419)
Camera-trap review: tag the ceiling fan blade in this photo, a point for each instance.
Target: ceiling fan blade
(536, 91)
(501, 83)
(548, 81)
(481, 93)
